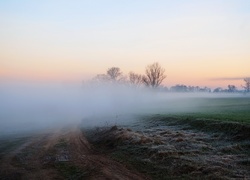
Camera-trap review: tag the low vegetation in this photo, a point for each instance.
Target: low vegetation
(163, 147)
(209, 142)
(234, 109)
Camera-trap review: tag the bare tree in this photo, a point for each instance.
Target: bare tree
(154, 75)
(231, 88)
(135, 79)
(114, 73)
(101, 78)
(247, 84)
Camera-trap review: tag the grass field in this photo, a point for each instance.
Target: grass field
(199, 138)
(235, 109)
(191, 143)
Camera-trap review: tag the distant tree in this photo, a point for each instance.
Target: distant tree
(101, 78)
(184, 88)
(218, 89)
(205, 89)
(231, 88)
(135, 79)
(179, 88)
(154, 75)
(247, 84)
(113, 74)
(193, 88)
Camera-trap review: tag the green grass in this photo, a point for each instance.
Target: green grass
(230, 115)
(224, 109)
(227, 118)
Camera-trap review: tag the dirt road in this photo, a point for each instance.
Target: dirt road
(60, 154)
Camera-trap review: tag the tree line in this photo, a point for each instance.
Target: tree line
(153, 78)
(233, 89)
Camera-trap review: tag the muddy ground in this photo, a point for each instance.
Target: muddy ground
(150, 148)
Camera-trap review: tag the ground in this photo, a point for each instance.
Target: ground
(154, 147)
(61, 154)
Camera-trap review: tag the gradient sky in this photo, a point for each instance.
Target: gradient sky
(197, 42)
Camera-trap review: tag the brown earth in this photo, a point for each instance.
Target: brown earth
(61, 154)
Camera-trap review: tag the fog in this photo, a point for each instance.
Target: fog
(26, 107)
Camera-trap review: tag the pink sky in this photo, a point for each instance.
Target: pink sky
(198, 43)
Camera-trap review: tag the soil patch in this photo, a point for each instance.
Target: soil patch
(61, 154)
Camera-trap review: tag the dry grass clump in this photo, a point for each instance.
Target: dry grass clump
(117, 136)
(173, 152)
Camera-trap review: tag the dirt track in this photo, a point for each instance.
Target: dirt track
(164, 149)
(63, 154)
